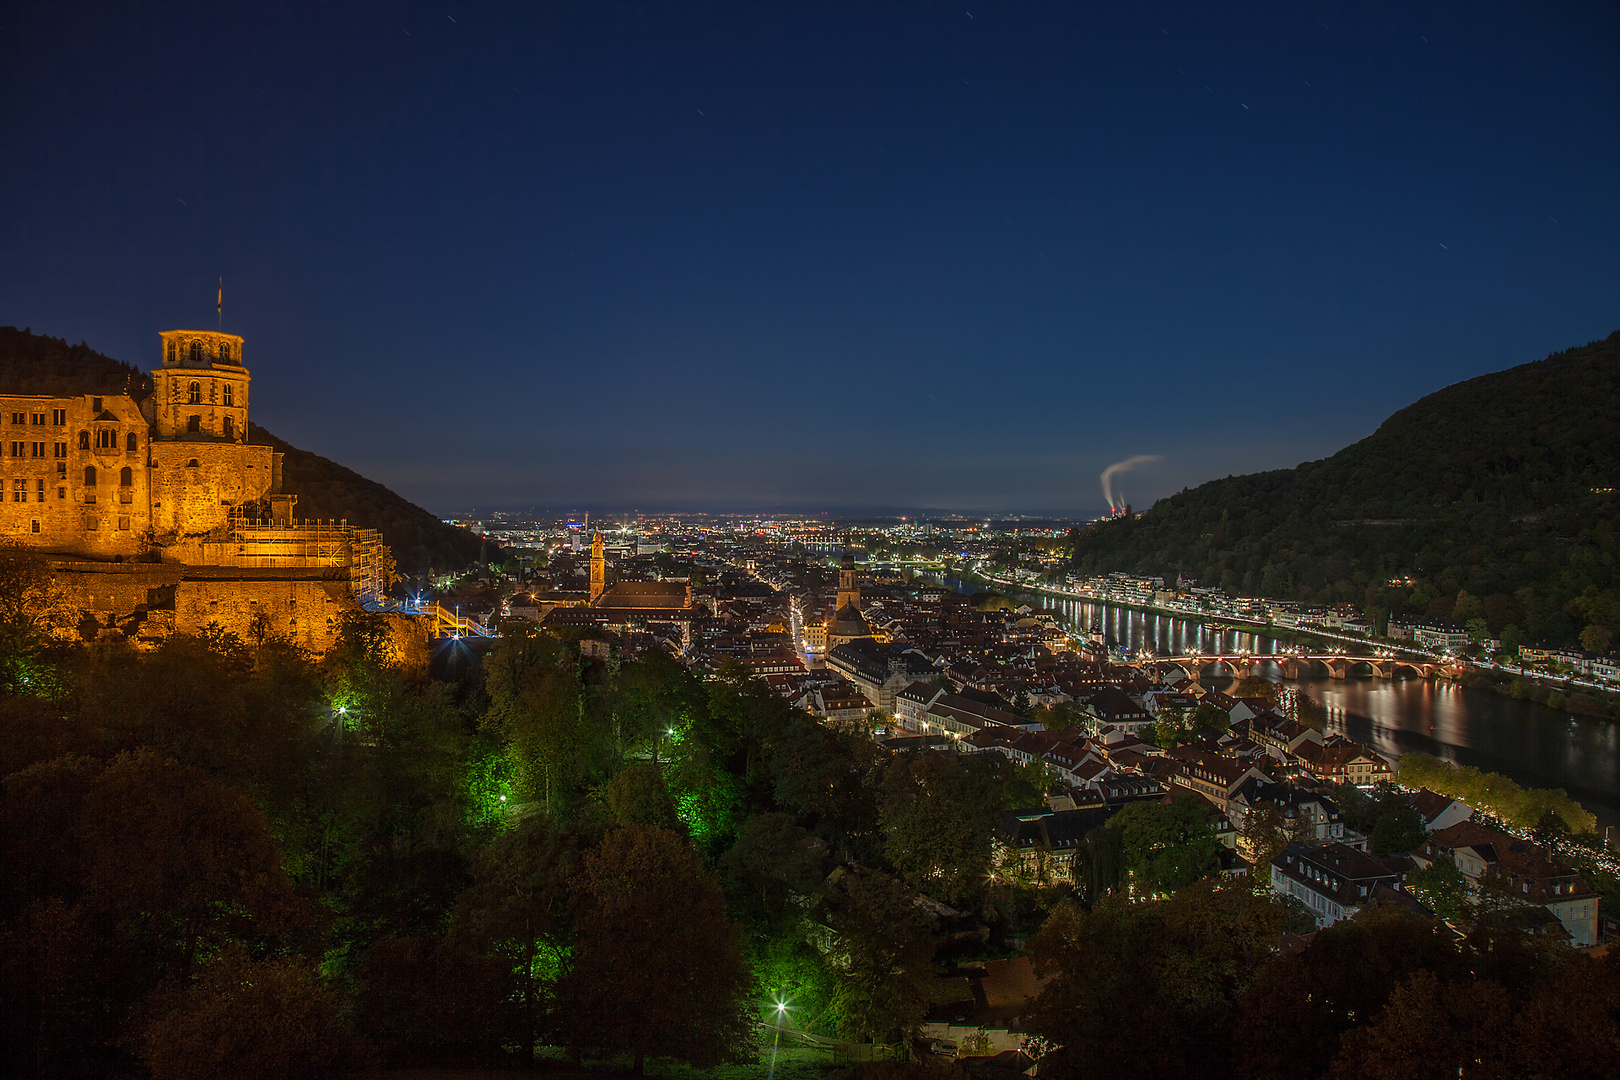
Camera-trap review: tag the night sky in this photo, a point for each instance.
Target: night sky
(811, 255)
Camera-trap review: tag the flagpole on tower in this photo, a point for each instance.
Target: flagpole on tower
(221, 304)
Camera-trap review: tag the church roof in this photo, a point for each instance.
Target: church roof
(645, 594)
(849, 622)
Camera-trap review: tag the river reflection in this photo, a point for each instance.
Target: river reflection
(1535, 745)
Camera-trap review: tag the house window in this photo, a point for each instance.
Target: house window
(194, 424)
(89, 476)
(194, 394)
(84, 440)
(58, 417)
(225, 395)
(132, 443)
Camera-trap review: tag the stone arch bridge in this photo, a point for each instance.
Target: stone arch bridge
(1298, 666)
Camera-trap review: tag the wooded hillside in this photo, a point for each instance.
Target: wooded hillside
(1495, 496)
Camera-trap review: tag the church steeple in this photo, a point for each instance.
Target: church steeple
(848, 591)
(598, 568)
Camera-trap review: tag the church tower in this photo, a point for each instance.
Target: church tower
(848, 591)
(598, 569)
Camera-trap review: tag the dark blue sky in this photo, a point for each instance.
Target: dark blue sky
(817, 255)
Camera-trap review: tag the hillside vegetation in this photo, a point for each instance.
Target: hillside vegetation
(1490, 502)
(35, 364)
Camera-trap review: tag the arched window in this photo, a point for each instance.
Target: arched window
(224, 351)
(194, 394)
(84, 440)
(126, 476)
(226, 396)
(131, 443)
(89, 476)
(196, 352)
(230, 428)
(192, 464)
(171, 352)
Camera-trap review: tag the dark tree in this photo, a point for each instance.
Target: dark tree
(658, 969)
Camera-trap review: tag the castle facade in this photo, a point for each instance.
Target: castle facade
(161, 517)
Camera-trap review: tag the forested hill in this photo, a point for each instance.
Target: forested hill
(34, 364)
(1496, 496)
(327, 490)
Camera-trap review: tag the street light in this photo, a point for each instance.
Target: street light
(781, 1014)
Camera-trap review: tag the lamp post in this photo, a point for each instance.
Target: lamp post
(781, 1013)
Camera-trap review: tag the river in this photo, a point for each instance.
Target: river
(1534, 745)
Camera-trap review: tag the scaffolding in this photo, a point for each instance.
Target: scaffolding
(355, 552)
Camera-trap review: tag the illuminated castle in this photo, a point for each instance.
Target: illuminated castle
(163, 516)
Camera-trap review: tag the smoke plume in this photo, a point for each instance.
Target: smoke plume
(1119, 467)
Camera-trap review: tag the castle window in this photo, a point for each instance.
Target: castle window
(89, 476)
(225, 395)
(196, 352)
(37, 449)
(19, 418)
(91, 523)
(171, 352)
(95, 405)
(58, 417)
(37, 418)
(61, 493)
(194, 394)
(126, 476)
(123, 523)
(36, 526)
(106, 438)
(19, 491)
(132, 443)
(230, 428)
(61, 468)
(194, 424)
(39, 490)
(84, 440)
(192, 464)
(18, 449)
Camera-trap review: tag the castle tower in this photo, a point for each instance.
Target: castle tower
(598, 568)
(848, 591)
(201, 390)
(201, 465)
